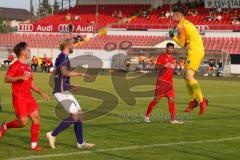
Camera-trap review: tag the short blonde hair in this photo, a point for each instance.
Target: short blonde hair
(65, 43)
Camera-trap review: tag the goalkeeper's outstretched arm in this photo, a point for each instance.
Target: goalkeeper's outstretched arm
(181, 38)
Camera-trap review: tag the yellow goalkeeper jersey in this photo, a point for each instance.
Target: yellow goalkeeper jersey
(188, 36)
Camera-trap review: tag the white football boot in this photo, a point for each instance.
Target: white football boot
(51, 140)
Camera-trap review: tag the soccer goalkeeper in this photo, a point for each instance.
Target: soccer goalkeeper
(186, 35)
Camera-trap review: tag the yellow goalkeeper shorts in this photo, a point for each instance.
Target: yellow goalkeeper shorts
(194, 59)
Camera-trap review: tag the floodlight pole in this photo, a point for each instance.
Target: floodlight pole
(171, 12)
(62, 5)
(97, 16)
(31, 11)
(39, 5)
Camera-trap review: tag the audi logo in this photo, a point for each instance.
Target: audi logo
(110, 46)
(65, 27)
(25, 27)
(202, 28)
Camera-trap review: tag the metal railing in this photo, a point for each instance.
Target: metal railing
(167, 26)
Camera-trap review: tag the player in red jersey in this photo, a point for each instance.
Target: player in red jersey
(164, 86)
(20, 75)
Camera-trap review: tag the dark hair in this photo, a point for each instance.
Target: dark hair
(170, 45)
(179, 10)
(19, 48)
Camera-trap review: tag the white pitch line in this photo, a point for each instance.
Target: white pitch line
(126, 148)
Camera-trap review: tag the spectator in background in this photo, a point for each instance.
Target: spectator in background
(195, 12)
(145, 14)
(77, 17)
(235, 15)
(211, 68)
(142, 64)
(149, 63)
(48, 65)
(44, 61)
(167, 14)
(127, 64)
(34, 63)
(235, 22)
(189, 12)
(115, 14)
(220, 65)
(181, 64)
(68, 17)
(219, 68)
(210, 17)
(120, 15)
(162, 15)
(218, 17)
(39, 62)
(9, 59)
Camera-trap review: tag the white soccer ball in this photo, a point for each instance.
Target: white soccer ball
(51, 69)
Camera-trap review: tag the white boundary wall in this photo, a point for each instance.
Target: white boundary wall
(105, 56)
(235, 69)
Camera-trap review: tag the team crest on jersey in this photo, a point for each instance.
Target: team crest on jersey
(27, 73)
(172, 65)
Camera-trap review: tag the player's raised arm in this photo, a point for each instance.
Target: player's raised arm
(35, 88)
(181, 38)
(178, 34)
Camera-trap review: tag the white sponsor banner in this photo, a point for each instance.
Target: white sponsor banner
(29, 27)
(222, 3)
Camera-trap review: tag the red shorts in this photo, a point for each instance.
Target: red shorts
(164, 89)
(24, 106)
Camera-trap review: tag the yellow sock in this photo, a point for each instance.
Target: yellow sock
(196, 89)
(190, 91)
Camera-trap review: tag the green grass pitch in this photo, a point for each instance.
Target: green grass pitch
(119, 137)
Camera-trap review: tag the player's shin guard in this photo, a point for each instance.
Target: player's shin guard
(63, 125)
(172, 110)
(197, 89)
(13, 124)
(78, 132)
(35, 129)
(151, 106)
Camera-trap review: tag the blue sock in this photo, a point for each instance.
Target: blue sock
(78, 132)
(62, 126)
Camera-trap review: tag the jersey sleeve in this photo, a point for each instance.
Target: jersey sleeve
(160, 60)
(11, 71)
(181, 38)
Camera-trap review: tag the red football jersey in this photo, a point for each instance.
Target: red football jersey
(167, 61)
(21, 87)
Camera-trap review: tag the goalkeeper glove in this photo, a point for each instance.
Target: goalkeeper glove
(172, 32)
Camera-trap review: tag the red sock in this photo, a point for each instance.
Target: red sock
(13, 124)
(150, 107)
(35, 129)
(172, 110)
